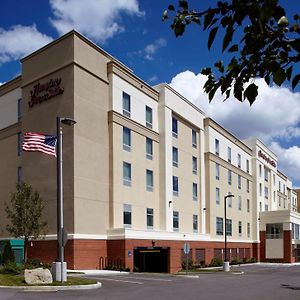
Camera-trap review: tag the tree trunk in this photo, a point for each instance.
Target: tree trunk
(25, 251)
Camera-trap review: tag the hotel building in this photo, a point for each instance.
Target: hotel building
(144, 169)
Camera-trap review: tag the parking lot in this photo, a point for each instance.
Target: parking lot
(245, 282)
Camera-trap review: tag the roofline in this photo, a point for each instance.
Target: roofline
(10, 85)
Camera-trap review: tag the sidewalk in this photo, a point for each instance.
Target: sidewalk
(97, 272)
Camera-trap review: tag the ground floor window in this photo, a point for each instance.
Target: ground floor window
(274, 231)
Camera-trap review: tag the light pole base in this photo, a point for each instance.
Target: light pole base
(59, 274)
(226, 266)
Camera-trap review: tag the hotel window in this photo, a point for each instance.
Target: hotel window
(284, 188)
(260, 206)
(248, 186)
(19, 150)
(19, 175)
(260, 172)
(229, 177)
(19, 109)
(266, 192)
(149, 148)
(217, 196)
(274, 179)
(150, 218)
(260, 189)
(274, 196)
(175, 186)
(127, 215)
(247, 166)
(266, 174)
(175, 220)
(229, 227)
(195, 223)
(194, 138)
(194, 162)
(126, 139)
(240, 228)
(229, 154)
(274, 231)
(149, 180)
(149, 120)
(248, 205)
(239, 181)
(248, 230)
(266, 207)
(174, 127)
(219, 226)
(217, 171)
(217, 147)
(239, 202)
(175, 157)
(229, 200)
(126, 173)
(195, 191)
(126, 105)
(279, 186)
(239, 160)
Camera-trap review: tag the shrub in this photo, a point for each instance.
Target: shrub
(190, 265)
(216, 262)
(12, 268)
(252, 260)
(234, 261)
(8, 254)
(33, 263)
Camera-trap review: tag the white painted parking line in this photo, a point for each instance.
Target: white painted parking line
(147, 278)
(118, 280)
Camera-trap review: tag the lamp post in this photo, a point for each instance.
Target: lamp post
(62, 275)
(226, 263)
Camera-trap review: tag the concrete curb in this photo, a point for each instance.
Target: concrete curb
(53, 288)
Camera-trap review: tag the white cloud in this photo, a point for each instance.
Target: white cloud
(275, 111)
(19, 41)
(153, 78)
(289, 159)
(151, 49)
(274, 115)
(98, 19)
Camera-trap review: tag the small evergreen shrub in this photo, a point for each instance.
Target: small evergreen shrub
(8, 254)
(234, 261)
(216, 262)
(190, 265)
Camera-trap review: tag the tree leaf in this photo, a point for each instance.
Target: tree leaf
(289, 73)
(206, 71)
(171, 7)
(208, 18)
(279, 76)
(227, 38)
(212, 35)
(183, 4)
(251, 93)
(295, 81)
(233, 48)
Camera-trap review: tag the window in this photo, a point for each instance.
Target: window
(239, 202)
(174, 127)
(19, 175)
(260, 189)
(217, 196)
(175, 220)
(248, 205)
(194, 138)
(149, 148)
(175, 186)
(229, 227)
(240, 228)
(260, 206)
(274, 231)
(274, 179)
(195, 223)
(126, 105)
(274, 196)
(266, 207)
(248, 186)
(247, 166)
(284, 188)
(175, 157)
(126, 139)
(229, 154)
(217, 171)
(217, 147)
(239, 181)
(19, 109)
(149, 117)
(19, 150)
(279, 186)
(266, 192)
(195, 191)
(194, 161)
(219, 226)
(126, 173)
(248, 230)
(229, 200)
(149, 180)
(260, 173)
(150, 218)
(239, 160)
(127, 215)
(229, 177)
(266, 174)
(295, 231)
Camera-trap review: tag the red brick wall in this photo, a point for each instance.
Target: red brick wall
(287, 246)
(256, 251)
(262, 237)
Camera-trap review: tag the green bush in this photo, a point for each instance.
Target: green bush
(252, 260)
(33, 263)
(216, 262)
(190, 265)
(234, 261)
(12, 268)
(8, 254)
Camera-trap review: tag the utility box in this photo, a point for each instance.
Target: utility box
(58, 273)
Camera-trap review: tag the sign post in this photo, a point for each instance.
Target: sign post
(186, 250)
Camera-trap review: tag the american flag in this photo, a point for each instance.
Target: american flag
(40, 143)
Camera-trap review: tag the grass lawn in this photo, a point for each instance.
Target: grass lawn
(18, 280)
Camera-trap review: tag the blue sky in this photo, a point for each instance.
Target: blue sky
(132, 31)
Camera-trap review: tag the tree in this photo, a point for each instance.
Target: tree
(25, 212)
(8, 255)
(269, 45)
